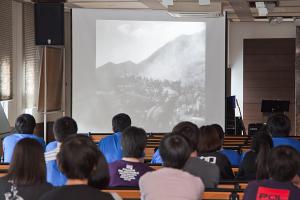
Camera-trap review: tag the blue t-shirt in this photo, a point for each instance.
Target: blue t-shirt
(10, 142)
(51, 146)
(156, 159)
(110, 146)
(54, 175)
(233, 156)
(287, 141)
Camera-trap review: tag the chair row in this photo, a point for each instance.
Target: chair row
(209, 194)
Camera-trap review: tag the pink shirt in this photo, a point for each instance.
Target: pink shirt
(170, 184)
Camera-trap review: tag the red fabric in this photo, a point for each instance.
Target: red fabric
(265, 193)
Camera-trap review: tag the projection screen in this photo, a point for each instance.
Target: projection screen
(158, 69)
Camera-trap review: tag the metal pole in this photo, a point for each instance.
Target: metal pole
(64, 82)
(45, 93)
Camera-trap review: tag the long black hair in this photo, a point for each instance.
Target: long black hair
(262, 144)
(28, 163)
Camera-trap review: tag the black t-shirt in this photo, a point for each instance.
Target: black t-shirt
(247, 170)
(220, 160)
(209, 173)
(76, 192)
(8, 190)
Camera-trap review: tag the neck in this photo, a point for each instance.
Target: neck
(193, 154)
(137, 160)
(77, 182)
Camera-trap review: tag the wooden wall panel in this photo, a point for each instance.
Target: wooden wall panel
(269, 73)
(54, 80)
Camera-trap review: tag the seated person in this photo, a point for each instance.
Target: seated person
(208, 150)
(170, 182)
(209, 173)
(232, 155)
(283, 165)
(254, 163)
(127, 172)
(24, 126)
(85, 168)
(26, 178)
(62, 129)
(110, 146)
(280, 127)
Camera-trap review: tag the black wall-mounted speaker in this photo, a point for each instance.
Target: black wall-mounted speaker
(49, 24)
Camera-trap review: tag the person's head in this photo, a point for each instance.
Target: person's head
(28, 163)
(25, 123)
(261, 139)
(134, 141)
(174, 151)
(120, 122)
(262, 144)
(189, 131)
(63, 128)
(279, 125)
(283, 163)
(219, 130)
(79, 158)
(208, 140)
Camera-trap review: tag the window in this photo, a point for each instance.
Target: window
(6, 50)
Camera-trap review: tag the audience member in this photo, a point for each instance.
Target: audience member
(233, 156)
(280, 127)
(62, 128)
(170, 182)
(208, 150)
(26, 178)
(209, 173)
(110, 146)
(24, 126)
(283, 164)
(85, 168)
(127, 172)
(254, 163)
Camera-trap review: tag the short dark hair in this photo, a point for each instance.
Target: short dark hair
(283, 163)
(208, 140)
(64, 127)
(120, 122)
(174, 151)
(28, 163)
(134, 141)
(220, 130)
(189, 131)
(25, 123)
(279, 125)
(79, 158)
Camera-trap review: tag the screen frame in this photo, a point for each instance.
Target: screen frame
(134, 13)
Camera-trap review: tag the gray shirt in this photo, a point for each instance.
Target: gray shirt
(208, 172)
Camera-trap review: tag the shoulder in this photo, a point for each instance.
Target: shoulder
(3, 180)
(51, 155)
(10, 138)
(253, 184)
(115, 164)
(108, 138)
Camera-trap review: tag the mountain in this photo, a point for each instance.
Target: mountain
(182, 59)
